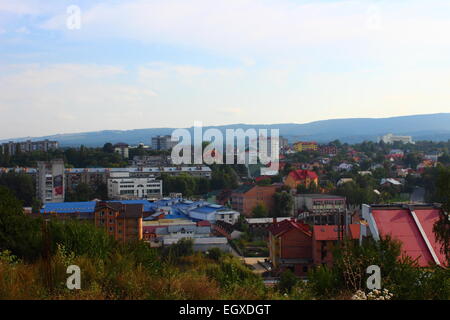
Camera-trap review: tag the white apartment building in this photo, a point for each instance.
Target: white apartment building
(121, 187)
(390, 138)
(50, 184)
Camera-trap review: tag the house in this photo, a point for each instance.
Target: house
(412, 225)
(328, 150)
(326, 237)
(247, 197)
(290, 247)
(301, 177)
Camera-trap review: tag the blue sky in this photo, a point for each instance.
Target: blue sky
(150, 63)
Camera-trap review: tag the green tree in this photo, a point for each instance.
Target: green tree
(442, 226)
(283, 204)
(288, 280)
(260, 211)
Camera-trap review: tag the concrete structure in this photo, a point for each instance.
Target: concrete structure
(122, 149)
(13, 148)
(319, 208)
(122, 186)
(163, 143)
(50, 186)
(390, 138)
(151, 161)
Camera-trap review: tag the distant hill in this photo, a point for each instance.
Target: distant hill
(435, 127)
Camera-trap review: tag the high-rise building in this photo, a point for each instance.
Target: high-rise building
(50, 184)
(13, 148)
(163, 143)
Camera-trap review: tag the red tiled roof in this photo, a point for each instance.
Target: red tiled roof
(303, 174)
(399, 224)
(330, 232)
(281, 227)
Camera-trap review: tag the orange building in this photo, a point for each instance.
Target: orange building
(246, 197)
(301, 177)
(122, 221)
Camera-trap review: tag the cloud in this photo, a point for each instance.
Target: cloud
(68, 98)
(255, 26)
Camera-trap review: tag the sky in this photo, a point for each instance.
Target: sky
(75, 66)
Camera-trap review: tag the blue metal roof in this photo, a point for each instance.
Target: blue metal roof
(68, 207)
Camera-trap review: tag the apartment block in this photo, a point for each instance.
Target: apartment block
(50, 185)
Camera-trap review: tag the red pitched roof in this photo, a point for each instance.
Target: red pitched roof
(279, 228)
(303, 174)
(330, 232)
(400, 224)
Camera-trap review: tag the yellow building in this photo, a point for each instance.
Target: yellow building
(306, 146)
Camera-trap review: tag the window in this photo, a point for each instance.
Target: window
(305, 269)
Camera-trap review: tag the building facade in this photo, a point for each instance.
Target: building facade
(121, 186)
(121, 221)
(390, 138)
(163, 143)
(301, 146)
(301, 177)
(50, 184)
(13, 148)
(247, 197)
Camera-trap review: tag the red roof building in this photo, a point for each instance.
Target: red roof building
(412, 225)
(325, 237)
(301, 177)
(290, 247)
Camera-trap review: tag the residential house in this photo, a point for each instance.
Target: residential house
(301, 177)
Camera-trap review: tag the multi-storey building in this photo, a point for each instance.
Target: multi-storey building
(390, 138)
(150, 161)
(122, 186)
(50, 185)
(122, 149)
(13, 148)
(121, 221)
(301, 146)
(245, 198)
(319, 208)
(163, 143)
(328, 150)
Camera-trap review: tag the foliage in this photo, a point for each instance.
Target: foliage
(287, 281)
